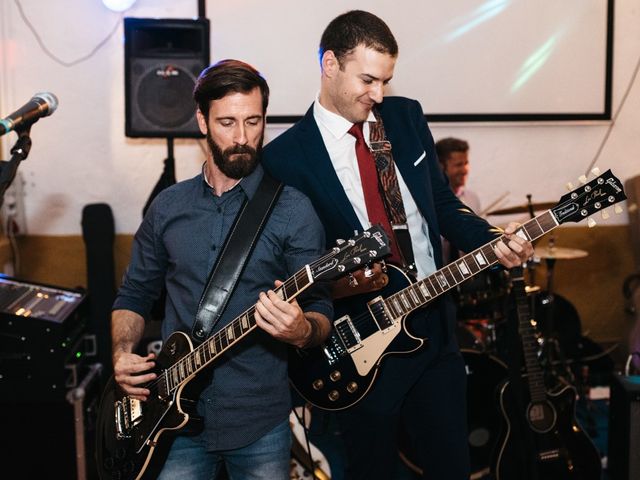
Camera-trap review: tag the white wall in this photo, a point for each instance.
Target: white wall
(80, 154)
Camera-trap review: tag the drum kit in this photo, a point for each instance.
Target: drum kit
(484, 306)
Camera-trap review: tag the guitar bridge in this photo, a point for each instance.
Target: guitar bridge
(344, 339)
(128, 413)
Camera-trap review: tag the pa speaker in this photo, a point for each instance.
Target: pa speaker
(624, 428)
(163, 58)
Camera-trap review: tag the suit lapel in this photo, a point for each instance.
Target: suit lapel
(329, 185)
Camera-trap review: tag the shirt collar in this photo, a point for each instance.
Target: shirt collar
(336, 124)
(248, 184)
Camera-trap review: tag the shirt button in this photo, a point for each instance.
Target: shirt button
(219, 210)
(214, 248)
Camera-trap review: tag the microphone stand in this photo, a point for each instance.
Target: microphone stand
(19, 152)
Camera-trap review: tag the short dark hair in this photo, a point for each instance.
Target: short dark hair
(224, 77)
(446, 146)
(357, 27)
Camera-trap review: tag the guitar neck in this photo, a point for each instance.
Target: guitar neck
(420, 293)
(236, 330)
(535, 376)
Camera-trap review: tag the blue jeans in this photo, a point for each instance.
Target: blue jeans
(268, 458)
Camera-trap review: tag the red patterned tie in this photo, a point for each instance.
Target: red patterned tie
(372, 198)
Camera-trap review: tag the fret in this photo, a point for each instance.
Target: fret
(442, 280)
(455, 272)
(244, 321)
(405, 301)
(471, 263)
(534, 229)
(415, 292)
(218, 343)
(212, 347)
(397, 305)
(199, 359)
(295, 284)
(391, 308)
(181, 370)
(489, 253)
(425, 291)
(230, 333)
(547, 221)
(237, 329)
(463, 269)
(435, 286)
(480, 258)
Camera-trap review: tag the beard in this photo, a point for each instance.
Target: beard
(245, 162)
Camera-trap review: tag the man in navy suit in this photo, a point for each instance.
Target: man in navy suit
(424, 390)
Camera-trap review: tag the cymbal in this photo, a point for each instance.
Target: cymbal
(559, 253)
(523, 208)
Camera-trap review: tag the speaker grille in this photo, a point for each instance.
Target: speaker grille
(163, 94)
(163, 58)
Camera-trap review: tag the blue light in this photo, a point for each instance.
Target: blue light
(118, 5)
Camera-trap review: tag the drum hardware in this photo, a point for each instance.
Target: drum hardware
(526, 208)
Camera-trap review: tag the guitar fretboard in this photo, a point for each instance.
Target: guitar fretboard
(418, 294)
(216, 344)
(535, 376)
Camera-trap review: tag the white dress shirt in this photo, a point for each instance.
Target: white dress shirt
(342, 152)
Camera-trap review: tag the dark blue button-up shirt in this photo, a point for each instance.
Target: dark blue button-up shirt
(176, 245)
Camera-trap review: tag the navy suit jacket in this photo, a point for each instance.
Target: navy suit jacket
(299, 158)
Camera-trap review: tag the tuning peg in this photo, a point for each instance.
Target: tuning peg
(340, 241)
(595, 171)
(604, 214)
(373, 253)
(368, 273)
(617, 209)
(569, 186)
(352, 281)
(591, 223)
(583, 179)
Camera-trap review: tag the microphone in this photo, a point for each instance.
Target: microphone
(41, 105)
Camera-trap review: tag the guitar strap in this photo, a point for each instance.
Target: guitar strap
(390, 190)
(237, 249)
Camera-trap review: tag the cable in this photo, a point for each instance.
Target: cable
(52, 55)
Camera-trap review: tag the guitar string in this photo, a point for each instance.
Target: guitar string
(292, 281)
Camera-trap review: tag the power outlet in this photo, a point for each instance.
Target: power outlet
(13, 211)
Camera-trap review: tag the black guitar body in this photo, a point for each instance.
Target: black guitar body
(141, 454)
(334, 378)
(543, 441)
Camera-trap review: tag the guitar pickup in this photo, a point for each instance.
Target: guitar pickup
(347, 333)
(128, 413)
(379, 313)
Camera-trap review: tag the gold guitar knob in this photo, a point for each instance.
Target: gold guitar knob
(334, 395)
(352, 387)
(318, 384)
(335, 375)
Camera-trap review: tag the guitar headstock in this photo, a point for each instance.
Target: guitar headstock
(603, 191)
(352, 254)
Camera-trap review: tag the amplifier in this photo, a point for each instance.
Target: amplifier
(42, 340)
(624, 428)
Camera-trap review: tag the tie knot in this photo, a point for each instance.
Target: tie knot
(356, 131)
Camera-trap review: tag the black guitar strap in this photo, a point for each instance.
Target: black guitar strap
(237, 249)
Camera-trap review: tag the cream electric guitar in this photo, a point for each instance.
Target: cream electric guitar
(369, 327)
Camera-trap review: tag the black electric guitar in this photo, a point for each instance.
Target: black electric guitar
(340, 372)
(133, 437)
(541, 438)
